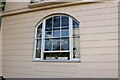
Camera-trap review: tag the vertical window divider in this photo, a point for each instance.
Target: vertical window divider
(43, 37)
(71, 39)
(60, 31)
(34, 56)
(52, 32)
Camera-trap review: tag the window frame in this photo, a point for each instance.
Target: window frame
(71, 36)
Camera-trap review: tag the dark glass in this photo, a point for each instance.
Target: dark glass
(56, 32)
(38, 49)
(56, 21)
(57, 56)
(48, 29)
(65, 33)
(75, 24)
(56, 44)
(39, 33)
(48, 34)
(40, 26)
(65, 44)
(49, 23)
(64, 28)
(65, 21)
(48, 44)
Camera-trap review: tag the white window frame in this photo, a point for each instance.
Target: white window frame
(43, 40)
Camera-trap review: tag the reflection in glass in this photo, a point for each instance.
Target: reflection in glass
(40, 26)
(64, 33)
(48, 29)
(38, 49)
(39, 33)
(48, 45)
(49, 23)
(48, 34)
(56, 21)
(75, 24)
(64, 28)
(56, 33)
(65, 21)
(65, 44)
(76, 47)
(56, 44)
(57, 56)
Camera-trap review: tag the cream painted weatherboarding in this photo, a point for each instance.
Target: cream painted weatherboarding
(98, 46)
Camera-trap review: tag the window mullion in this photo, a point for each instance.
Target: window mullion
(43, 37)
(71, 39)
(52, 31)
(35, 44)
(60, 30)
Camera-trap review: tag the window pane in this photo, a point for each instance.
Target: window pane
(64, 28)
(56, 44)
(57, 56)
(38, 49)
(65, 44)
(39, 33)
(56, 21)
(75, 24)
(56, 32)
(48, 34)
(48, 29)
(64, 33)
(49, 23)
(40, 26)
(65, 21)
(48, 45)
(76, 47)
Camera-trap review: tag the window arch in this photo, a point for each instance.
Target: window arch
(57, 39)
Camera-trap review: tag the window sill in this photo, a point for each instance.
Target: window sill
(66, 61)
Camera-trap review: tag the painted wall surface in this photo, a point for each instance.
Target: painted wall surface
(98, 43)
(16, 5)
(119, 41)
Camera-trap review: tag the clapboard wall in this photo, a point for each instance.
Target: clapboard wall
(98, 43)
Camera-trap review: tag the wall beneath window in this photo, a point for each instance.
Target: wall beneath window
(98, 43)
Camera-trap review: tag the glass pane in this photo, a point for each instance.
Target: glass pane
(76, 47)
(56, 21)
(39, 33)
(48, 34)
(48, 29)
(40, 26)
(49, 23)
(57, 56)
(48, 45)
(38, 49)
(75, 24)
(65, 21)
(56, 44)
(65, 44)
(56, 32)
(64, 28)
(64, 33)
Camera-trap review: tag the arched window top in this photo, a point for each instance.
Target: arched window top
(54, 38)
(57, 18)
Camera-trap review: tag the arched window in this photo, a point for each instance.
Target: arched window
(57, 39)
